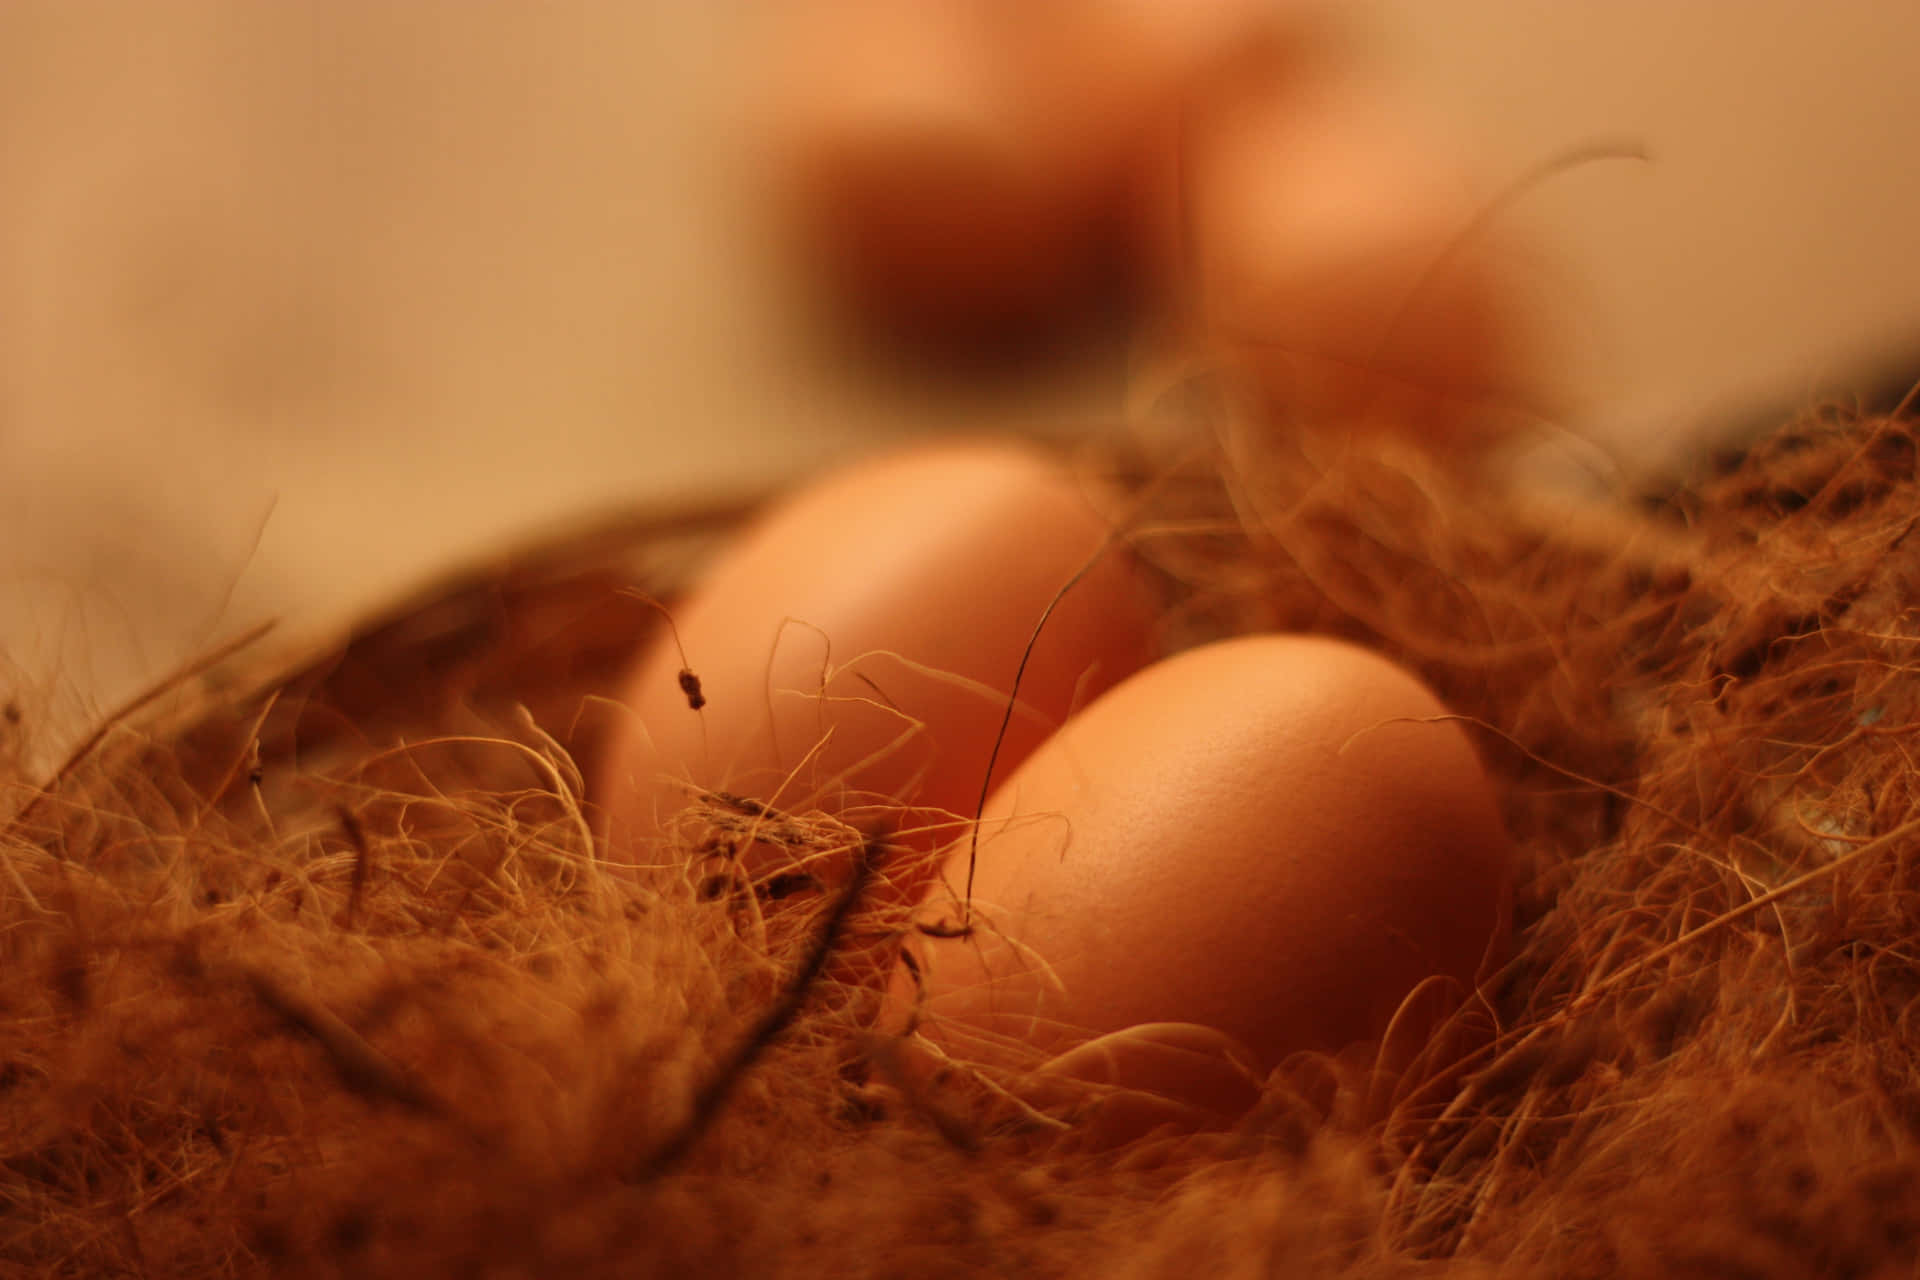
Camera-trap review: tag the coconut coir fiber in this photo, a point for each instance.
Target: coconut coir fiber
(314, 973)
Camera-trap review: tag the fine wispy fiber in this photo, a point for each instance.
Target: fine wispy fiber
(311, 968)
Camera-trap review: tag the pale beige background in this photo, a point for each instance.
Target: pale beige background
(302, 299)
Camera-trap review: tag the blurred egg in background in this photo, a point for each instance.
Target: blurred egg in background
(301, 303)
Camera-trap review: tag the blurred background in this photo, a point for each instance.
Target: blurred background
(303, 301)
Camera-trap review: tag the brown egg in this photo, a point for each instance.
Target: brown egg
(954, 165)
(897, 152)
(1327, 245)
(1263, 842)
(857, 646)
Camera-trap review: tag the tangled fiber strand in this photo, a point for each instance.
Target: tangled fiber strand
(317, 973)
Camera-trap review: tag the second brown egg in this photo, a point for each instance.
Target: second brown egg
(857, 647)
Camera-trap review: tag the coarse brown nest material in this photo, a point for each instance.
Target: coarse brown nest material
(317, 974)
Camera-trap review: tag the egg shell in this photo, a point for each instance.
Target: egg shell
(1328, 239)
(899, 151)
(857, 645)
(956, 166)
(1266, 837)
(1100, 75)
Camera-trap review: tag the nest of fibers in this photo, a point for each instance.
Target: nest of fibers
(308, 967)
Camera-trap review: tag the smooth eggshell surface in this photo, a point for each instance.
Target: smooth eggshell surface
(896, 146)
(1341, 259)
(856, 647)
(1262, 836)
(956, 165)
